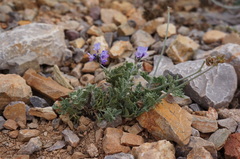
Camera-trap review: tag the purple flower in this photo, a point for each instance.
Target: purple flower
(104, 57)
(96, 47)
(141, 52)
(91, 57)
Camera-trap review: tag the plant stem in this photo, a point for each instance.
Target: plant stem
(164, 42)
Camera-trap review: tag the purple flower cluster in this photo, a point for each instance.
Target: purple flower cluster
(141, 52)
(102, 58)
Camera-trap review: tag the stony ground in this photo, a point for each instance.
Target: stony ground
(43, 56)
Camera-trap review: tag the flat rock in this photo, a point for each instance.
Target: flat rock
(32, 146)
(168, 121)
(229, 113)
(16, 111)
(161, 30)
(13, 134)
(107, 15)
(232, 146)
(129, 139)
(119, 155)
(13, 88)
(95, 31)
(111, 27)
(56, 146)
(213, 36)
(228, 123)
(27, 134)
(119, 47)
(103, 44)
(165, 63)
(182, 49)
(204, 124)
(90, 67)
(111, 141)
(142, 38)
(214, 88)
(71, 138)
(200, 153)
(233, 38)
(162, 149)
(125, 30)
(46, 113)
(92, 150)
(46, 86)
(10, 124)
(231, 54)
(45, 40)
(219, 138)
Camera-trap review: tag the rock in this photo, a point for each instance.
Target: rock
(158, 46)
(168, 121)
(71, 138)
(39, 38)
(203, 89)
(13, 134)
(32, 146)
(184, 100)
(135, 129)
(27, 134)
(138, 18)
(90, 67)
(5, 9)
(72, 80)
(10, 124)
(86, 79)
(228, 123)
(233, 38)
(238, 128)
(109, 38)
(46, 113)
(125, 7)
(111, 141)
(59, 77)
(165, 63)
(95, 31)
(162, 149)
(13, 88)
(78, 155)
(44, 85)
(212, 113)
(110, 27)
(38, 102)
(56, 146)
(142, 38)
(204, 124)
(151, 26)
(72, 35)
(183, 30)
(2, 121)
(16, 111)
(219, 138)
(21, 157)
(107, 15)
(119, 18)
(147, 67)
(92, 150)
(119, 48)
(229, 113)
(161, 30)
(33, 125)
(195, 107)
(182, 49)
(76, 72)
(94, 12)
(195, 132)
(125, 30)
(129, 139)
(196, 142)
(186, 5)
(66, 120)
(232, 146)
(200, 153)
(103, 44)
(119, 155)
(213, 36)
(231, 54)
(78, 43)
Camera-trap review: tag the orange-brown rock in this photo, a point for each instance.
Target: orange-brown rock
(10, 124)
(129, 139)
(147, 67)
(111, 141)
(204, 124)
(46, 113)
(199, 153)
(232, 147)
(16, 111)
(46, 86)
(213, 36)
(168, 121)
(27, 134)
(13, 88)
(119, 48)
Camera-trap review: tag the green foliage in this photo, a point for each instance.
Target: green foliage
(121, 96)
